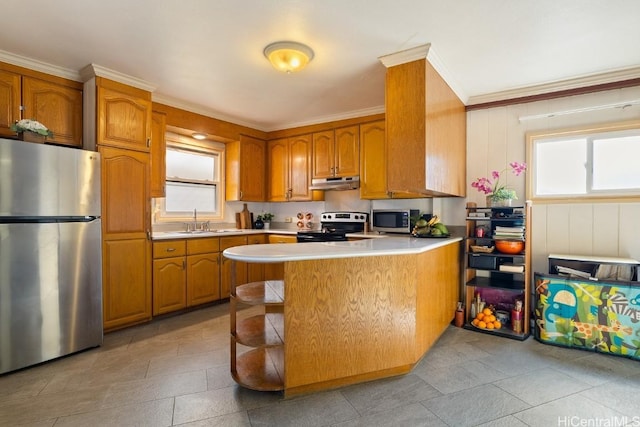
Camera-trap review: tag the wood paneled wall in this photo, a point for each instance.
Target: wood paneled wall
(495, 137)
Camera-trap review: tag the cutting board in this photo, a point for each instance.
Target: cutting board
(245, 217)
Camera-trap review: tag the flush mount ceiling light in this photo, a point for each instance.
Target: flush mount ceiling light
(288, 56)
(199, 136)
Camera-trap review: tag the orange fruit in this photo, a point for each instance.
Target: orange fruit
(491, 318)
(479, 316)
(487, 312)
(497, 324)
(482, 324)
(490, 325)
(475, 322)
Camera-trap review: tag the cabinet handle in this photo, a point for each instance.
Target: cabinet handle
(240, 194)
(148, 142)
(184, 264)
(171, 249)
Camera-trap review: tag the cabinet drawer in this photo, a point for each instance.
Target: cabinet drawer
(283, 238)
(256, 239)
(203, 246)
(231, 241)
(169, 248)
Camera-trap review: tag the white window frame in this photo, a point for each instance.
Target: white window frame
(184, 143)
(533, 138)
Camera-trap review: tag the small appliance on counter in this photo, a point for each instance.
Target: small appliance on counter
(393, 220)
(334, 227)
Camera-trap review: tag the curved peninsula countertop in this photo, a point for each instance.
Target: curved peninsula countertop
(280, 252)
(346, 312)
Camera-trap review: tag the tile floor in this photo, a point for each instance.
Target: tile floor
(175, 371)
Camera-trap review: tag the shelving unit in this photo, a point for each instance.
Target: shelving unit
(261, 367)
(483, 273)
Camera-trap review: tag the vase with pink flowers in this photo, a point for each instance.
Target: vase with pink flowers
(497, 193)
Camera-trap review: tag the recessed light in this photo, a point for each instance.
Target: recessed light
(199, 136)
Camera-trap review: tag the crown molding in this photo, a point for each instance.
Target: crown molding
(43, 67)
(427, 52)
(587, 80)
(94, 70)
(330, 118)
(199, 109)
(404, 56)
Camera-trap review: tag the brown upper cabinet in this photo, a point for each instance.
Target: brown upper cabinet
(373, 165)
(245, 170)
(124, 116)
(289, 169)
(336, 153)
(158, 154)
(53, 101)
(426, 132)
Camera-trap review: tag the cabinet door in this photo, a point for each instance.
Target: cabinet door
(124, 116)
(323, 154)
(203, 278)
(57, 107)
(255, 271)
(347, 151)
(9, 101)
(169, 285)
(252, 169)
(373, 167)
(278, 170)
(125, 193)
(245, 170)
(225, 272)
(158, 154)
(300, 168)
(126, 282)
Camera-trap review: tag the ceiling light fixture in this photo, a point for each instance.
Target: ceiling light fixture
(199, 136)
(288, 56)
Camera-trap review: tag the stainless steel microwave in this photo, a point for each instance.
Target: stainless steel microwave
(393, 220)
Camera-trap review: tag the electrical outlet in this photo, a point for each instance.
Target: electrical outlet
(287, 219)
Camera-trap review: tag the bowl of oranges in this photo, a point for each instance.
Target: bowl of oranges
(486, 319)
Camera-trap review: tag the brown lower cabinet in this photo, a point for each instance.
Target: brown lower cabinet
(186, 272)
(241, 267)
(190, 272)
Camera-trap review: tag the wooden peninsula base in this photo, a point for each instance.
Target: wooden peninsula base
(354, 319)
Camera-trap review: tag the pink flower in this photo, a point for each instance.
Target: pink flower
(492, 186)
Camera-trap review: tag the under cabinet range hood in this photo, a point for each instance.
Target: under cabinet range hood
(338, 183)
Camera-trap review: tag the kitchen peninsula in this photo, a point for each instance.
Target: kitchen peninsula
(349, 311)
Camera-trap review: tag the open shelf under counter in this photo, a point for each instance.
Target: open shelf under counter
(261, 293)
(259, 369)
(260, 330)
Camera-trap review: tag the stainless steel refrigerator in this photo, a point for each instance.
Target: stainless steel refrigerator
(50, 253)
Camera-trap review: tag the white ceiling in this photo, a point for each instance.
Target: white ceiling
(206, 55)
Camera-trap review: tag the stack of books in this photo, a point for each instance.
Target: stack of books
(508, 232)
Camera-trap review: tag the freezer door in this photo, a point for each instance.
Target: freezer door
(46, 180)
(50, 291)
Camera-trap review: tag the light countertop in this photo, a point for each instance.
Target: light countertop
(170, 235)
(279, 252)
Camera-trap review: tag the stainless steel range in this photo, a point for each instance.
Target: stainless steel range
(334, 227)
